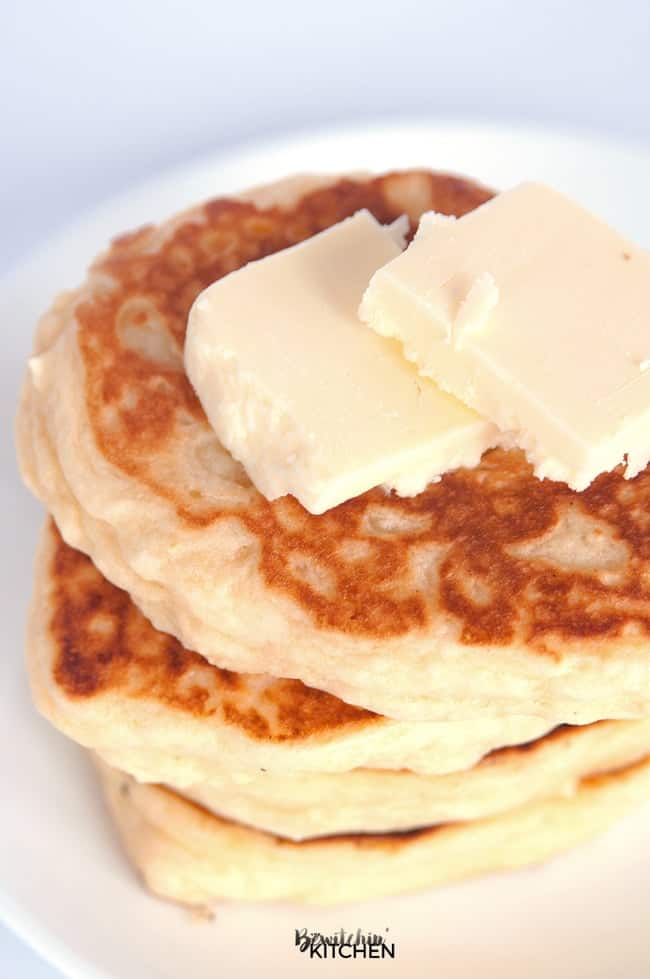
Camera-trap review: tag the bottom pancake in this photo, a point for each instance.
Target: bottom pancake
(187, 854)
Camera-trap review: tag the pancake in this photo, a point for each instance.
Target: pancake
(187, 854)
(490, 594)
(310, 805)
(104, 676)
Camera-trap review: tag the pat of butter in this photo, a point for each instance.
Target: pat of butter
(537, 315)
(308, 399)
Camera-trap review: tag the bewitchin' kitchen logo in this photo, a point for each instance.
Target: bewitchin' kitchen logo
(344, 944)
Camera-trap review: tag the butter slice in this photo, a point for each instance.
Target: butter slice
(537, 315)
(309, 400)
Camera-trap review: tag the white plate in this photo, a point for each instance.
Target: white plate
(64, 885)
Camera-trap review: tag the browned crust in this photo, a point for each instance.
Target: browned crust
(102, 643)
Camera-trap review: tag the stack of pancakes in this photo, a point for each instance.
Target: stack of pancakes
(396, 693)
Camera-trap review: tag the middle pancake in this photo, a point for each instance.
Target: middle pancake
(105, 677)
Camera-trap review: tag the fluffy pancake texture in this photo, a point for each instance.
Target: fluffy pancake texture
(490, 594)
(366, 801)
(188, 854)
(104, 676)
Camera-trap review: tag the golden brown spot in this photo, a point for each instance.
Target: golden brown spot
(359, 568)
(103, 643)
(249, 720)
(302, 710)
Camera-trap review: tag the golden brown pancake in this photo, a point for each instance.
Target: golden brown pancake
(103, 675)
(490, 594)
(188, 854)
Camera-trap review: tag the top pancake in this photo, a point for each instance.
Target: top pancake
(491, 592)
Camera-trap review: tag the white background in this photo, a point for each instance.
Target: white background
(97, 95)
